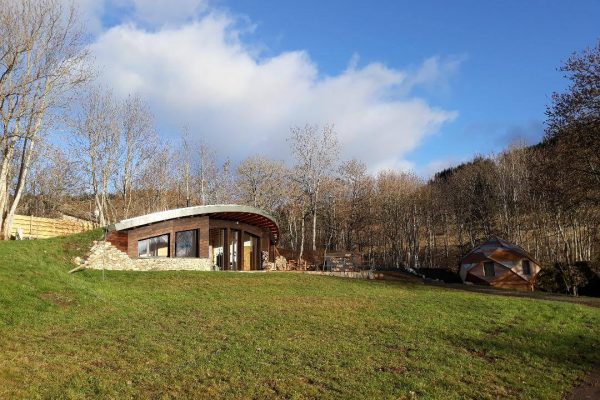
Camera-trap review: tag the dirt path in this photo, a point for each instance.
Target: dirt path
(407, 277)
(587, 301)
(589, 389)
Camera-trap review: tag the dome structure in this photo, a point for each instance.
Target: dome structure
(499, 263)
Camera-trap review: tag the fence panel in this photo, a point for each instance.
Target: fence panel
(42, 228)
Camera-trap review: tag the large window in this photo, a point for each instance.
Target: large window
(526, 267)
(157, 246)
(250, 252)
(186, 244)
(488, 269)
(217, 247)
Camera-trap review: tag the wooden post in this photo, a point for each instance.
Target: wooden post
(259, 264)
(242, 259)
(226, 264)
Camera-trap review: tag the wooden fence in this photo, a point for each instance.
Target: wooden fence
(42, 228)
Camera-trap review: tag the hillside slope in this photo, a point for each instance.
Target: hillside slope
(272, 335)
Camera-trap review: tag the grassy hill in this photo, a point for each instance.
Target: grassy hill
(273, 335)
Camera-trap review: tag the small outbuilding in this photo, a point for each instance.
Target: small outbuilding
(501, 264)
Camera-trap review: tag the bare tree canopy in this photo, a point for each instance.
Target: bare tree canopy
(316, 152)
(95, 144)
(545, 198)
(261, 182)
(41, 60)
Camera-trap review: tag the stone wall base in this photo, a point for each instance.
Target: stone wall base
(104, 255)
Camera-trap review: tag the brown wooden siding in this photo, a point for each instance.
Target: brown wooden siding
(168, 227)
(479, 272)
(202, 224)
(118, 239)
(513, 281)
(504, 278)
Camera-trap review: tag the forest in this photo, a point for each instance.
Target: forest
(70, 146)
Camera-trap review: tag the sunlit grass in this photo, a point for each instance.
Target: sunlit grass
(272, 335)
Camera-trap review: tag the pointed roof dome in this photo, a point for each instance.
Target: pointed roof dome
(496, 248)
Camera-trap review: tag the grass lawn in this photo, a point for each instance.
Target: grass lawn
(272, 335)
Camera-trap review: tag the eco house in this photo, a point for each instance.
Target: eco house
(224, 237)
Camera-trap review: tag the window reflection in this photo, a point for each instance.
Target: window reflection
(217, 247)
(186, 244)
(157, 246)
(234, 238)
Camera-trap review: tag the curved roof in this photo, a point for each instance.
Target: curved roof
(502, 252)
(496, 247)
(233, 212)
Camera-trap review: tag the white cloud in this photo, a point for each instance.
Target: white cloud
(159, 12)
(435, 72)
(202, 74)
(150, 13)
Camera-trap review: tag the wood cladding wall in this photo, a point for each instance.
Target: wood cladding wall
(170, 228)
(118, 239)
(202, 224)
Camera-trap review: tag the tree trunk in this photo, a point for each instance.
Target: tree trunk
(301, 240)
(24, 169)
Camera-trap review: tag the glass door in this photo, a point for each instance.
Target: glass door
(234, 244)
(250, 252)
(216, 248)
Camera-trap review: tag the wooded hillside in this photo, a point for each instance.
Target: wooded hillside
(112, 164)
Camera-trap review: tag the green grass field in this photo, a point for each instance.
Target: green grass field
(272, 335)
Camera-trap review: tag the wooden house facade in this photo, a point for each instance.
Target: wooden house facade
(232, 237)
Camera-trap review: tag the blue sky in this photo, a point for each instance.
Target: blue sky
(494, 68)
(511, 50)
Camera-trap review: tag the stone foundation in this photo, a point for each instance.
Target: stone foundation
(104, 255)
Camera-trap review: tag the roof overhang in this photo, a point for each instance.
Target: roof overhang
(233, 212)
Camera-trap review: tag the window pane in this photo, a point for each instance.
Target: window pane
(154, 247)
(250, 251)
(526, 267)
(234, 237)
(143, 248)
(159, 246)
(186, 244)
(217, 246)
(488, 268)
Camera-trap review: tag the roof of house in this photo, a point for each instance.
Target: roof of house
(500, 251)
(245, 214)
(497, 249)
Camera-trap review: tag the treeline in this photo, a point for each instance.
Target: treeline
(111, 164)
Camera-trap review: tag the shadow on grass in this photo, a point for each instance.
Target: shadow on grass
(579, 350)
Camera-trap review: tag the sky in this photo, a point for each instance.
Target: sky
(407, 85)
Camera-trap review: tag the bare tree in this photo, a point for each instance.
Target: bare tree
(316, 151)
(96, 142)
(155, 188)
(205, 173)
(261, 182)
(52, 181)
(138, 141)
(512, 187)
(41, 60)
(224, 191)
(358, 187)
(399, 217)
(185, 164)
